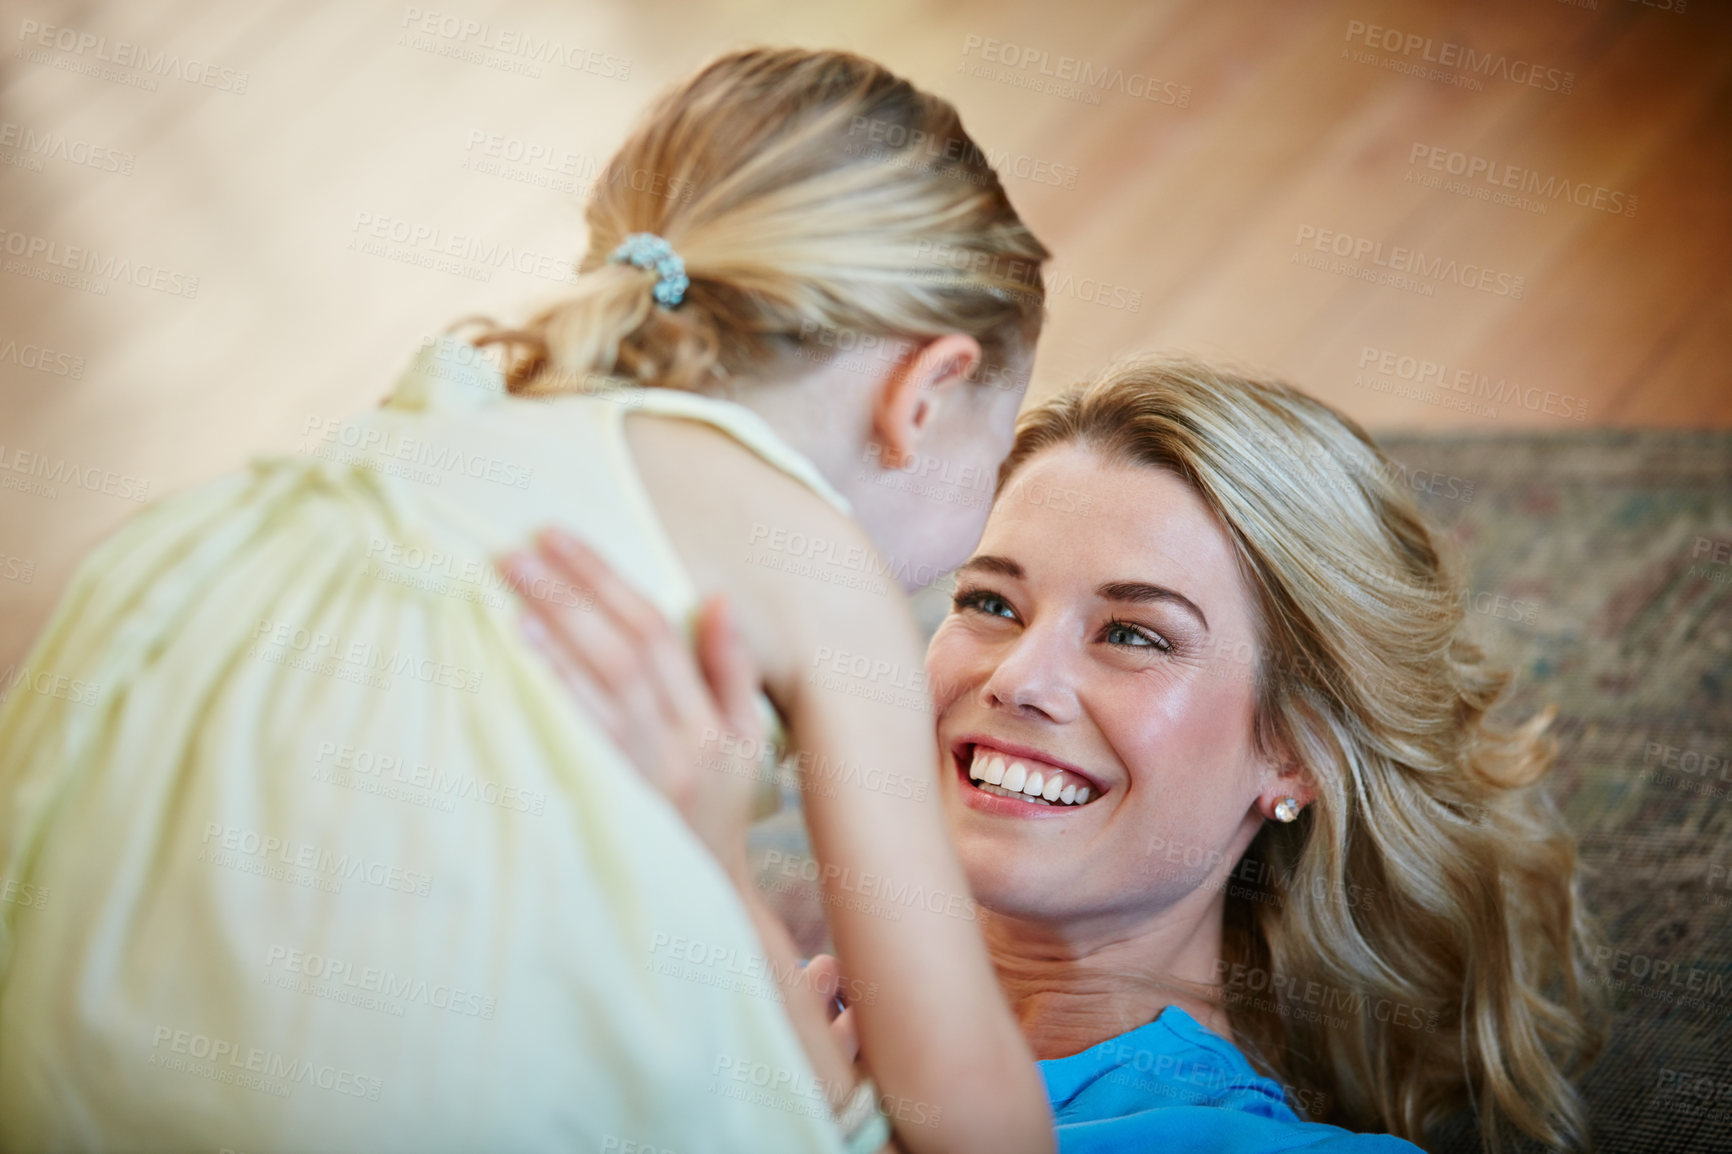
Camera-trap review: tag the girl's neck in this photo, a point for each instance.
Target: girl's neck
(1072, 988)
(824, 414)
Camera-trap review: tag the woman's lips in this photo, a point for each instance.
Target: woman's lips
(999, 781)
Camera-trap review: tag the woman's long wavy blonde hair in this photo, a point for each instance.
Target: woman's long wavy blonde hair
(1431, 888)
(815, 198)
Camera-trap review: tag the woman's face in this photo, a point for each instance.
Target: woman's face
(1101, 627)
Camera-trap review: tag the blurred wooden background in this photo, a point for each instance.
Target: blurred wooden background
(1568, 186)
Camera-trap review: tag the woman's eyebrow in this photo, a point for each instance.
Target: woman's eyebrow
(987, 563)
(1141, 591)
(1135, 592)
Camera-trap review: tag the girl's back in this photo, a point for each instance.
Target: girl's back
(323, 819)
(323, 854)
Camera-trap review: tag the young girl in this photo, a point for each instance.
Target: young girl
(325, 857)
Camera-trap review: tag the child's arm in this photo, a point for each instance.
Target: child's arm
(810, 597)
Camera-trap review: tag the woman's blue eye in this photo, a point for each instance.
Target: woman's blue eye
(982, 601)
(1133, 637)
(1123, 634)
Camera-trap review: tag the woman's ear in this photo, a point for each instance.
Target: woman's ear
(1284, 779)
(918, 382)
(1286, 793)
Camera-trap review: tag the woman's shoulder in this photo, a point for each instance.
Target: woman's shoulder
(1172, 1060)
(1173, 1081)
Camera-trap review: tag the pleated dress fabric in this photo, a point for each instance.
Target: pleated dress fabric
(305, 849)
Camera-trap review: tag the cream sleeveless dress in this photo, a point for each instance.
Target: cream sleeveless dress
(305, 849)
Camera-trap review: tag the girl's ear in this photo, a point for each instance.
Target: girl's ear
(908, 392)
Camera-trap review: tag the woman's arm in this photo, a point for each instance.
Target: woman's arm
(937, 1034)
(627, 668)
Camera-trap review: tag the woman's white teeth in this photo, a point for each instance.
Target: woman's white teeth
(1049, 786)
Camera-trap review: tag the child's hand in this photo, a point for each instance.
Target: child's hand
(627, 668)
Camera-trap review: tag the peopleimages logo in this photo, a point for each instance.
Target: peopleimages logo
(834, 561)
(909, 147)
(368, 770)
(226, 1060)
(1459, 58)
(1073, 77)
(463, 38)
(53, 471)
(358, 659)
(303, 863)
(58, 146)
(47, 683)
(371, 444)
(122, 54)
(41, 359)
(90, 270)
(1479, 386)
(1409, 262)
(431, 246)
(1487, 179)
(324, 976)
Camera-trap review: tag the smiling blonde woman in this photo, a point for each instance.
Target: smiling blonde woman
(1425, 891)
(1262, 874)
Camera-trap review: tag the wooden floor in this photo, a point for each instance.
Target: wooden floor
(1265, 182)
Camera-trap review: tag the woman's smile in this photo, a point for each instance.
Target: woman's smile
(1018, 780)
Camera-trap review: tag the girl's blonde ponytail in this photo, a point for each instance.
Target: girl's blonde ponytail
(808, 193)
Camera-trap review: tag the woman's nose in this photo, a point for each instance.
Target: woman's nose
(1032, 678)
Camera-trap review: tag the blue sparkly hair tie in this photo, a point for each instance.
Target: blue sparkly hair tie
(649, 251)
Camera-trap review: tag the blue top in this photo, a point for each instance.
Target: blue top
(1172, 1085)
